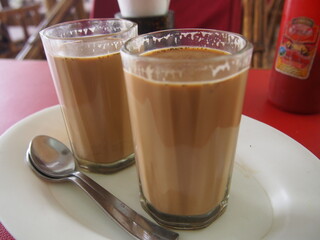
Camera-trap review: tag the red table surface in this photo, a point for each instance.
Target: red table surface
(26, 87)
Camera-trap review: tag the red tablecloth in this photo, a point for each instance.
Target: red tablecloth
(26, 87)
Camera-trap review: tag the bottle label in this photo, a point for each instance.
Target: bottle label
(298, 48)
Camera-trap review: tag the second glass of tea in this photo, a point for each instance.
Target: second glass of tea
(86, 67)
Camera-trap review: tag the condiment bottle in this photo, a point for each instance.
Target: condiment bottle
(295, 77)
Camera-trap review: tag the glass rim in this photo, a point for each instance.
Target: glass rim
(43, 32)
(246, 48)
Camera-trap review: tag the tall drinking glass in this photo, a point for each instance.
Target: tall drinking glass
(185, 89)
(86, 67)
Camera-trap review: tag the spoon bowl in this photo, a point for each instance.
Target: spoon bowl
(41, 174)
(51, 157)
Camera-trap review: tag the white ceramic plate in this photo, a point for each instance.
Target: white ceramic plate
(275, 192)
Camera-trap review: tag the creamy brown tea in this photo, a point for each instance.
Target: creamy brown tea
(185, 135)
(95, 106)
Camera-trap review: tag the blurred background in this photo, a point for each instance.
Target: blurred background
(258, 20)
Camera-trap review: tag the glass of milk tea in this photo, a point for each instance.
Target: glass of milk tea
(86, 68)
(185, 91)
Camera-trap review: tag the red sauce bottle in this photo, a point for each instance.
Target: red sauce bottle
(295, 77)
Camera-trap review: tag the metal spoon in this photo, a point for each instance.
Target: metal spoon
(53, 161)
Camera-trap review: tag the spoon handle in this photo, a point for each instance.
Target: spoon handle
(131, 221)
